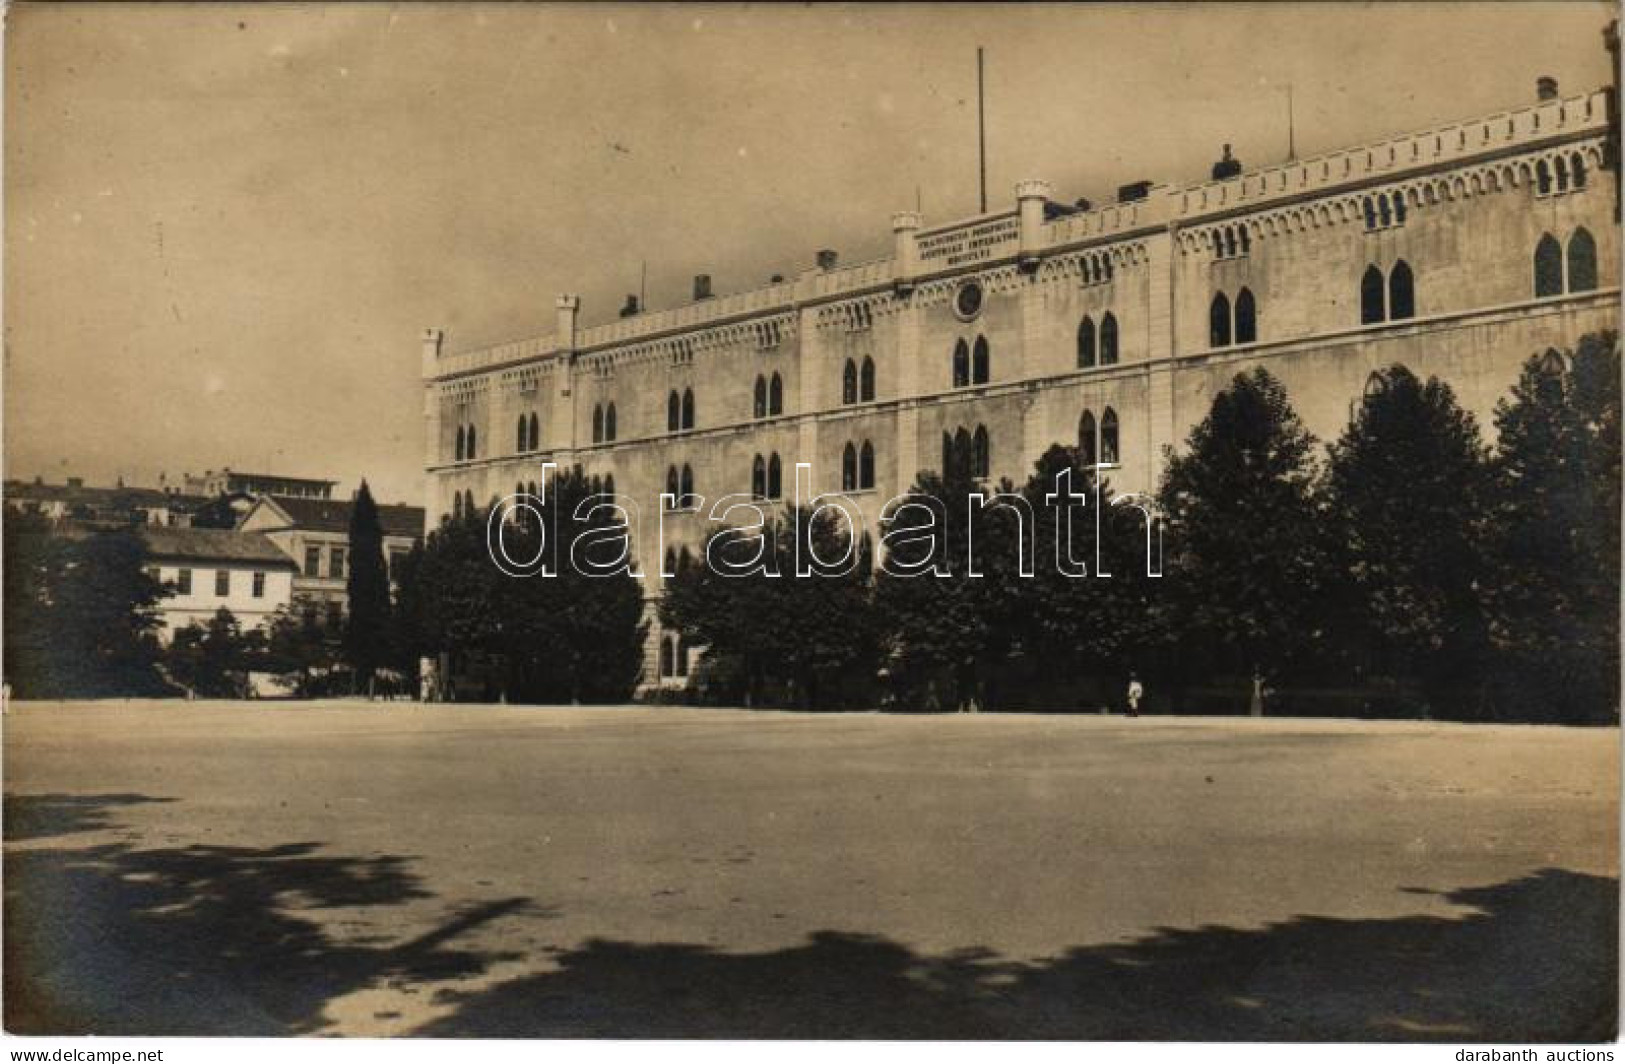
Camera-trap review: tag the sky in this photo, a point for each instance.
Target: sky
(226, 225)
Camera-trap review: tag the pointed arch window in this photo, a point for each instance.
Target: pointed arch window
(961, 364)
(1086, 342)
(1582, 261)
(1218, 321)
(468, 504)
(609, 484)
(674, 487)
(688, 485)
(521, 442)
(775, 396)
(1552, 362)
(866, 380)
(461, 436)
(1086, 438)
(1108, 437)
(1246, 317)
(981, 458)
(674, 412)
(456, 506)
(979, 362)
(849, 468)
(866, 465)
(609, 426)
(688, 408)
(1108, 339)
(1578, 167)
(1543, 178)
(472, 450)
(598, 424)
(1372, 308)
(759, 407)
(536, 431)
(1548, 267)
(775, 477)
(1401, 292)
(682, 655)
(849, 383)
(667, 668)
(758, 478)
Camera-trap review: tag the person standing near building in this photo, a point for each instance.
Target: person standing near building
(1135, 692)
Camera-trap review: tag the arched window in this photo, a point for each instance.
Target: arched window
(688, 408)
(1229, 242)
(1108, 339)
(849, 382)
(980, 458)
(667, 666)
(598, 424)
(963, 460)
(682, 655)
(674, 487)
(961, 364)
(979, 362)
(1108, 437)
(1218, 321)
(609, 426)
(1370, 213)
(1246, 317)
(758, 478)
(1577, 166)
(468, 501)
(849, 468)
(866, 380)
(674, 412)
(456, 506)
(1086, 342)
(1582, 262)
(1385, 211)
(1401, 292)
(775, 477)
(866, 465)
(1562, 168)
(1086, 438)
(609, 484)
(1399, 208)
(759, 408)
(1548, 267)
(1375, 384)
(775, 396)
(522, 438)
(1371, 296)
(1552, 362)
(471, 449)
(460, 447)
(536, 431)
(671, 561)
(1543, 177)
(688, 485)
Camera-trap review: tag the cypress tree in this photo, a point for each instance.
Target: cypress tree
(367, 629)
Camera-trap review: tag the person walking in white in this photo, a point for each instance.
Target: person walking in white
(1135, 693)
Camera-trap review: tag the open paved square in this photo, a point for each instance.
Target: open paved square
(387, 869)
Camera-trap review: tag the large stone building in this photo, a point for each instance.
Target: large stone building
(1458, 250)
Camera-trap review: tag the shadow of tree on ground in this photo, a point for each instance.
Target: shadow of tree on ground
(207, 939)
(1534, 961)
(42, 816)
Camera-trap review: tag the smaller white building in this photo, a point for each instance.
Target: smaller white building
(211, 568)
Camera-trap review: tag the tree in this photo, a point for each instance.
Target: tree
(809, 641)
(1554, 590)
(569, 637)
(1244, 555)
(299, 650)
(367, 628)
(950, 634)
(1085, 633)
(213, 659)
(1406, 492)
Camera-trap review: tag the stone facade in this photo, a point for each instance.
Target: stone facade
(1291, 248)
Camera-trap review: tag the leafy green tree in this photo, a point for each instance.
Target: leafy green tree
(1554, 591)
(213, 659)
(367, 628)
(571, 637)
(300, 651)
(808, 641)
(1406, 492)
(1245, 558)
(1085, 633)
(35, 562)
(950, 630)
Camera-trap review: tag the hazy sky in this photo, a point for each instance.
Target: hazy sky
(226, 225)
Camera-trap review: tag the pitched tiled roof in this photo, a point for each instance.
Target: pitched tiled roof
(333, 515)
(212, 545)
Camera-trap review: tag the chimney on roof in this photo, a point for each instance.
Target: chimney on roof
(631, 308)
(76, 482)
(1135, 190)
(702, 286)
(777, 278)
(1545, 88)
(827, 258)
(1229, 166)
